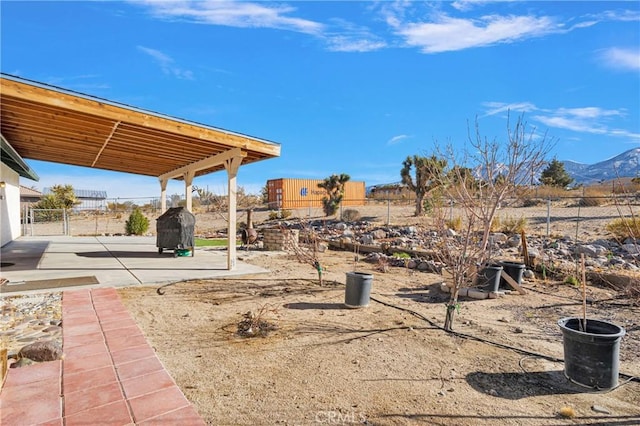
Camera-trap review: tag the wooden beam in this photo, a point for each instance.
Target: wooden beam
(512, 283)
(106, 142)
(205, 163)
(105, 109)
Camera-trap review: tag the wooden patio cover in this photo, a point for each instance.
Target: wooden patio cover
(47, 123)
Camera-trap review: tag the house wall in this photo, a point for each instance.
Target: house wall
(9, 205)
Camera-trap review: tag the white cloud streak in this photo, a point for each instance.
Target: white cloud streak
(592, 120)
(447, 34)
(167, 64)
(622, 59)
(397, 139)
(234, 14)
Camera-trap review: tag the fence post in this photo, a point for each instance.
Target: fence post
(548, 216)
(388, 211)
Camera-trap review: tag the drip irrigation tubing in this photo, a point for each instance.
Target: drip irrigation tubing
(490, 342)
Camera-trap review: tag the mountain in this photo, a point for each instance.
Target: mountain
(626, 164)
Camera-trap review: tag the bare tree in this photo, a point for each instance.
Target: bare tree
(500, 168)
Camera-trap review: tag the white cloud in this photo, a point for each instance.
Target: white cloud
(449, 34)
(624, 59)
(350, 44)
(570, 123)
(167, 64)
(396, 139)
(593, 120)
(234, 14)
(494, 108)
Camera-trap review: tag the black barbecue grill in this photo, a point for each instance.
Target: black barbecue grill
(175, 229)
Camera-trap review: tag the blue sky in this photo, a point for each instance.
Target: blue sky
(345, 86)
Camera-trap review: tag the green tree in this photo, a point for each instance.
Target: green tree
(60, 197)
(427, 176)
(555, 175)
(137, 224)
(334, 185)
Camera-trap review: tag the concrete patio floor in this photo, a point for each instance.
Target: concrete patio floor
(113, 261)
(109, 375)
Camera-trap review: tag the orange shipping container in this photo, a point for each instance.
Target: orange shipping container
(300, 193)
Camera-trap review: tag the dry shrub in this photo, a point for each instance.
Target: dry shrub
(280, 214)
(254, 324)
(532, 202)
(351, 215)
(510, 225)
(625, 227)
(454, 223)
(593, 197)
(550, 192)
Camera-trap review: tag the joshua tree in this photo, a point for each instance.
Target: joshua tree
(60, 197)
(501, 167)
(427, 177)
(334, 185)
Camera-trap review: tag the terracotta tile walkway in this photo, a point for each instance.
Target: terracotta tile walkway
(109, 376)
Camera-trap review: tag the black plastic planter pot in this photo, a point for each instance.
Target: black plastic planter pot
(489, 277)
(591, 357)
(515, 270)
(358, 290)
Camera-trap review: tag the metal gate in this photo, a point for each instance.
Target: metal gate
(38, 222)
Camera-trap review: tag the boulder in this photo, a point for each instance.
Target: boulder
(45, 350)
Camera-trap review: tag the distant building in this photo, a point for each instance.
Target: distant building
(390, 191)
(301, 193)
(90, 199)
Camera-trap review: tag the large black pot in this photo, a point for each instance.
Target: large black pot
(489, 277)
(591, 357)
(515, 270)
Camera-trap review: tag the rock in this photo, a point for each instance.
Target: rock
(47, 350)
(631, 248)
(600, 409)
(586, 249)
(451, 233)
(341, 226)
(367, 239)
(379, 234)
(513, 242)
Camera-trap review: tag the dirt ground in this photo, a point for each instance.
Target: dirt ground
(385, 364)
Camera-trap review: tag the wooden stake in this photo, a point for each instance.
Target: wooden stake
(584, 294)
(525, 252)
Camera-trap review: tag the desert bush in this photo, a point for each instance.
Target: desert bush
(531, 202)
(454, 223)
(351, 215)
(593, 197)
(137, 224)
(546, 192)
(511, 225)
(279, 214)
(624, 228)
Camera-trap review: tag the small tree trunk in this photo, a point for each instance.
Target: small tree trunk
(452, 306)
(419, 202)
